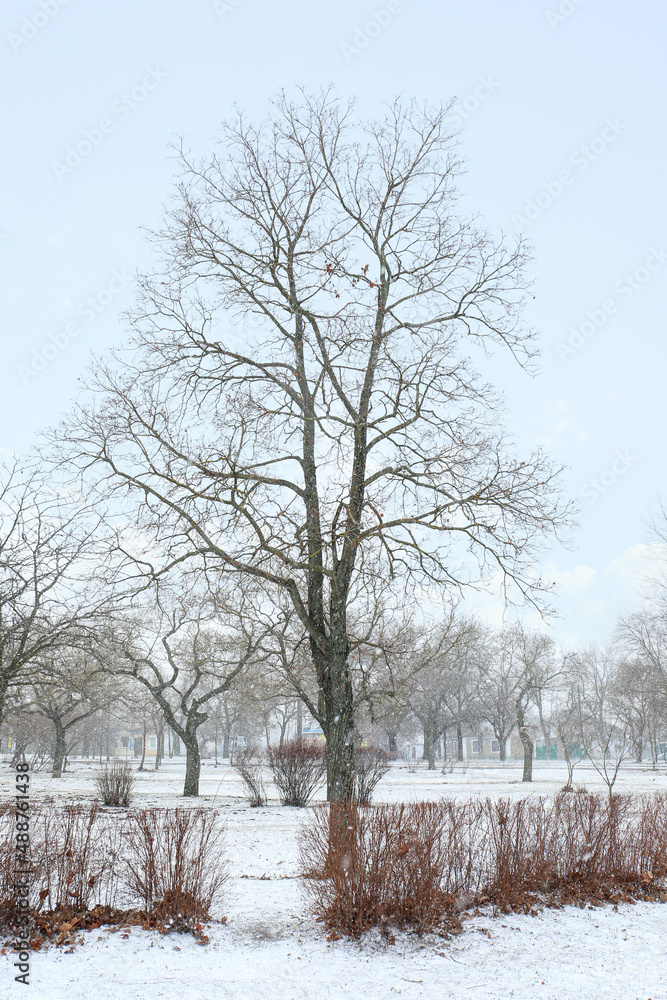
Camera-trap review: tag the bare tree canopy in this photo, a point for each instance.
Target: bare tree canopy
(55, 584)
(349, 435)
(185, 649)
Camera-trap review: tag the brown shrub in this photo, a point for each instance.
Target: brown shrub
(248, 763)
(382, 865)
(115, 783)
(74, 853)
(163, 866)
(298, 767)
(420, 864)
(172, 863)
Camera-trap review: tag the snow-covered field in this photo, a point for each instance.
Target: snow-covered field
(271, 948)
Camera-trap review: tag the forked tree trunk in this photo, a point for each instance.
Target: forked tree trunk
(570, 772)
(502, 746)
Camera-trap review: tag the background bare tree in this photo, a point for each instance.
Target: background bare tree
(437, 661)
(535, 668)
(183, 651)
(55, 586)
(605, 729)
(66, 691)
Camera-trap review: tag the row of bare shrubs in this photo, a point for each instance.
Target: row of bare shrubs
(298, 767)
(155, 867)
(421, 865)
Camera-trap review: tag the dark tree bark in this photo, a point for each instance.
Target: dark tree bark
(192, 758)
(59, 749)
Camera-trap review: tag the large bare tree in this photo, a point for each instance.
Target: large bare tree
(345, 432)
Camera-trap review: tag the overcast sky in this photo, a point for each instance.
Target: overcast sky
(562, 108)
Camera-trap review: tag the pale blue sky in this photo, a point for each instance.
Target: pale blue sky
(563, 119)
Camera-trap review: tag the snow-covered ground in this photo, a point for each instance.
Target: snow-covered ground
(272, 948)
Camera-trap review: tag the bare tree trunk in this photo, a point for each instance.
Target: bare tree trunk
(430, 738)
(192, 766)
(459, 742)
(526, 742)
(159, 752)
(59, 749)
(299, 719)
(143, 748)
(338, 728)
